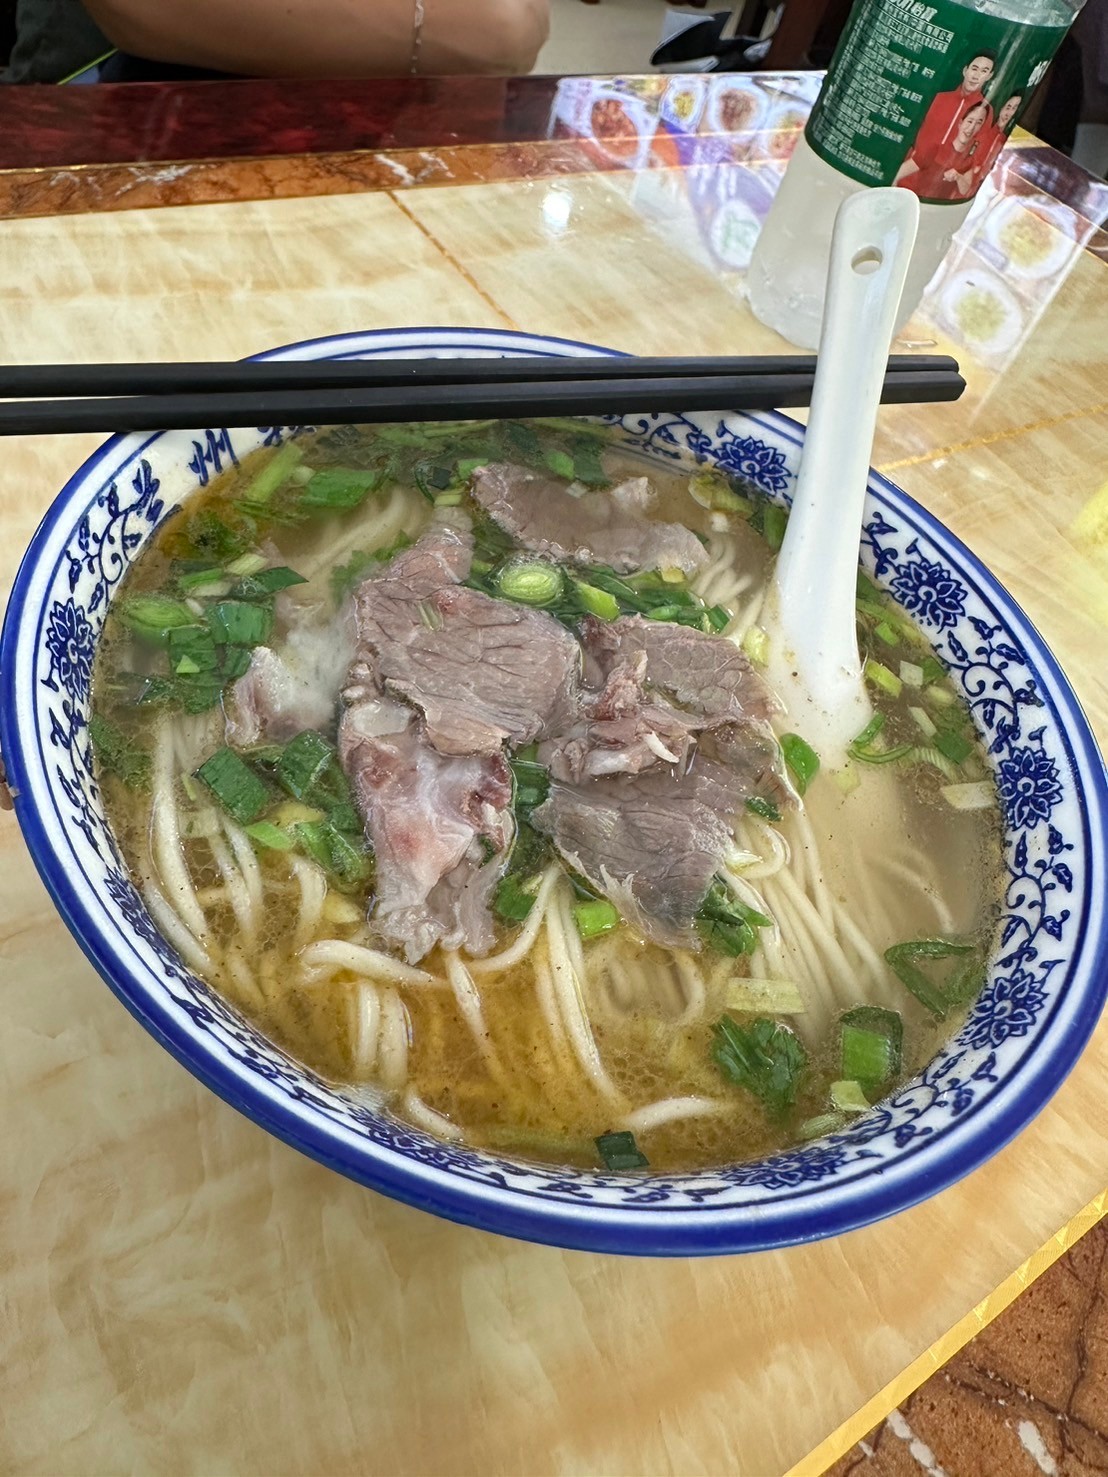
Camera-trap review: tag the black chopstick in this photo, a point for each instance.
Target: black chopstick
(446, 402)
(32, 381)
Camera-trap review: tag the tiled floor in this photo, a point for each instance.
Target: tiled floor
(1028, 1397)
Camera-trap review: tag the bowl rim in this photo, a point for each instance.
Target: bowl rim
(871, 1197)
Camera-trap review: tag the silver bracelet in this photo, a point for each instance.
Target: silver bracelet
(417, 36)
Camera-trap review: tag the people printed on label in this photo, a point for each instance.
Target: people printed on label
(948, 172)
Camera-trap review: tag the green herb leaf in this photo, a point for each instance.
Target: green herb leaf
(235, 785)
(764, 1057)
(304, 762)
(338, 489)
(560, 463)
(266, 582)
(904, 960)
(118, 754)
(345, 577)
(726, 924)
(273, 473)
(802, 760)
(349, 865)
(154, 616)
(759, 805)
(512, 900)
(619, 1151)
(595, 917)
(272, 837)
(240, 622)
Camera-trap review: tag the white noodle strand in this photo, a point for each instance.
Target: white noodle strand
(422, 1116)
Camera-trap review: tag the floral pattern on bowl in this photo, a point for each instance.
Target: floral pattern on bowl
(1046, 983)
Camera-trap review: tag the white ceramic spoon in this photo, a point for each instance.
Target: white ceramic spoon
(813, 652)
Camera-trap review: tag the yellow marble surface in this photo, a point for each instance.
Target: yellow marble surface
(179, 1294)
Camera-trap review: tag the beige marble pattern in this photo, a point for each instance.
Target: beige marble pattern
(180, 1294)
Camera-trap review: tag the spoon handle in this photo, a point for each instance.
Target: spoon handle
(814, 583)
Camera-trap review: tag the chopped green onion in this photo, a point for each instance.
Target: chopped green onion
(240, 622)
(531, 784)
(186, 667)
(923, 722)
(877, 673)
(940, 697)
(886, 632)
(560, 463)
(956, 748)
(719, 618)
(871, 1041)
(925, 754)
(235, 785)
(822, 1123)
(846, 780)
(266, 834)
(277, 470)
(220, 537)
(619, 1151)
(344, 577)
(911, 674)
(118, 754)
(350, 865)
(449, 499)
(530, 582)
(764, 1057)
(201, 580)
(756, 645)
(302, 764)
(759, 805)
(933, 670)
(595, 918)
(248, 563)
(235, 662)
(802, 760)
(338, 489)
(869, 733)
(974, 795)
(904, 960)
(153, 616)
(196, 643)
(758, 996)
(467, 466)
(512, 900)
(262, 582)
(848, 1097)
(597, 602)
(774, 522)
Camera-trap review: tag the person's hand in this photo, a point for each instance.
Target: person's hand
(950, 174)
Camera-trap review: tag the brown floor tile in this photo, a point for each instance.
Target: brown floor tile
(1028, 1397)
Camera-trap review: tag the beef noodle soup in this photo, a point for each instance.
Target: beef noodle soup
(445, 754)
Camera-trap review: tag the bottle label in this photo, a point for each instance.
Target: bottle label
(924, 93)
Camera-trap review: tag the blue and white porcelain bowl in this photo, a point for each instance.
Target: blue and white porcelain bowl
(1046, 983)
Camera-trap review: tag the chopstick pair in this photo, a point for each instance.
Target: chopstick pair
(162, 397)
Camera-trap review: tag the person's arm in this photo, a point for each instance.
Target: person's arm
(328, 38)
(909, 167)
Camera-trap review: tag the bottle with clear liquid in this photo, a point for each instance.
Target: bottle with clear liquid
(921, 94)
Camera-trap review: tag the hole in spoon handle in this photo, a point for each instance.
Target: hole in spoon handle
(867, 261)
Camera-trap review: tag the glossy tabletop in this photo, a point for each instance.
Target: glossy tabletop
(180, 1293)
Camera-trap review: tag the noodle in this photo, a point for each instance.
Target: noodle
(328, 955)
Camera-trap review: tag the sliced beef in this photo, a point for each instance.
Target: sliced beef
(651, 842)
(293, 685)
(599, 527)
(707, 676)
(387, 604)
(482, 671)
(751, 751)
(619, 730)
(431, 820)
